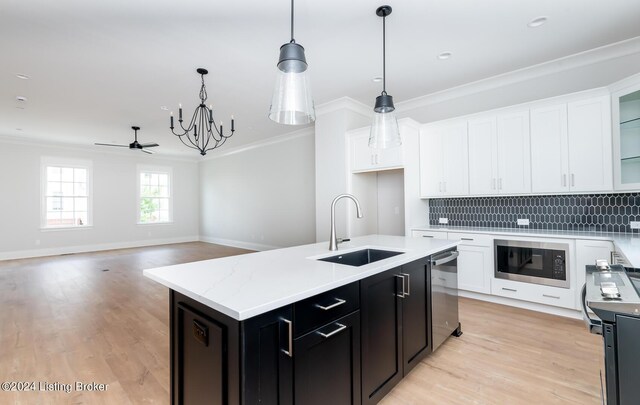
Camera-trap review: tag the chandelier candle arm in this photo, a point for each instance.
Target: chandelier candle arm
(202, 133)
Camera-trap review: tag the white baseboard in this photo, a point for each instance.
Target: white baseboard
(238, 243)
(533, 306)
(23, 254)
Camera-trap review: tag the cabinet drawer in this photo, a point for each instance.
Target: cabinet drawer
(429, 234)
(555, 296)
(321, 309)
(471, 239)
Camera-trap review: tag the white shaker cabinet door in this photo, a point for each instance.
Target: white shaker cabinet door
(549, 149)
(590, 161)
(482, 156)
(362, 157)
(431, 162)
(455, 153)
(514, 156)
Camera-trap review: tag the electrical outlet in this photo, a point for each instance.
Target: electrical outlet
(523, 222)
(443, 221)
(635, 224)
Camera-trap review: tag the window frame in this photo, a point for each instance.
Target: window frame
(154, 170)
(52, 161)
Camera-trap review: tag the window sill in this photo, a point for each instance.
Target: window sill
(64, 228)
(155, 223)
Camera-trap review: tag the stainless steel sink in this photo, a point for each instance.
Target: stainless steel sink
(361, 257)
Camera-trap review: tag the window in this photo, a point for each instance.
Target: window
(66, 193)
(154, 192)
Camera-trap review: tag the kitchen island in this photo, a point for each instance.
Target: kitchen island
(285, 327)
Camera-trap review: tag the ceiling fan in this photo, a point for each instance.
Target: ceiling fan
(135, 144)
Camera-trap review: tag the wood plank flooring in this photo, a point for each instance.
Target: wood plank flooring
(64, 319)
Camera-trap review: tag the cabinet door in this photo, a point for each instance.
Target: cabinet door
(455, 155)
(416, 325)
(362, 157)
(590, 160)
(267, 360)
(587, 252)
(327, 364)
(482, 156)
(549, 149)
(475, 268)
(389, 158)
(380, 309)
(514, 156)
(431, 162)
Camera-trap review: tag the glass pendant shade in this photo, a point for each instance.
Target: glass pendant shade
(292, 103)
(384, 131)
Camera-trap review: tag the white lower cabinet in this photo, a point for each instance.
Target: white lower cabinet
(475, 263)
(587, 252)
(554, 296)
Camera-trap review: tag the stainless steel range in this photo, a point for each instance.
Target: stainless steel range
(613, 294)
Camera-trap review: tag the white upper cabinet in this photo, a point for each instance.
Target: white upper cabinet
(365, 159)
(549, 149)
(571, 147)
(499, 157)
(626, 135)
(483, 160)
(444, 160)
(589, 129)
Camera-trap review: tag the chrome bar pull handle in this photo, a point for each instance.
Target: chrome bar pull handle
(335, 304)
(573, 180)
(408, 276)
(402, 294)
(509, 289)
(564, 180)
(340, 326)
(290, 327)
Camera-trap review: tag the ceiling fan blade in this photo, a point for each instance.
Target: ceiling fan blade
(146, 151)
(149, 145)
(111, 144)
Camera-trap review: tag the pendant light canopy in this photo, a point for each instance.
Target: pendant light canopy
(292, 103)
(384, 130)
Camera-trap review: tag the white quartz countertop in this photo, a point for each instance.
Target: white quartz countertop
(628, 244)
(248, 285)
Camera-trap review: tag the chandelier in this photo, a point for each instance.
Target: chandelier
(201, 133)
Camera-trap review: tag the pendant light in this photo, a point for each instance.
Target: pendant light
(292, 103)
(384, 130)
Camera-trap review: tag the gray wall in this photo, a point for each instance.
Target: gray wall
(260, 198)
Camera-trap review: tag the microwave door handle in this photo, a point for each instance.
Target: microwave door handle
(439, 260)
(594, 325)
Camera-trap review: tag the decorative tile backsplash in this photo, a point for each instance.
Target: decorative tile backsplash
(590, 212)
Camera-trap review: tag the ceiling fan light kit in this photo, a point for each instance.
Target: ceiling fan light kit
(135, 145)
(201, 133)
(384, 130)
(292, 103)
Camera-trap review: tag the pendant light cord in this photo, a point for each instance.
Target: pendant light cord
(384, 55)
(293, 41)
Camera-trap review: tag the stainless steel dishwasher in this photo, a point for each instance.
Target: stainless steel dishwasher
(444, 297)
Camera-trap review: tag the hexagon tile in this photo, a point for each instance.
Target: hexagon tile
(587, 212)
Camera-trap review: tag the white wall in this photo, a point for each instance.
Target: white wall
(114, 202)
(262, 197)
(333, 121)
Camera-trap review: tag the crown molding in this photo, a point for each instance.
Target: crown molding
(591, 56)
(345, 103)
(260, 144)
(13, 140)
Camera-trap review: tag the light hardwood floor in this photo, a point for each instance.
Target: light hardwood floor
(64, 319)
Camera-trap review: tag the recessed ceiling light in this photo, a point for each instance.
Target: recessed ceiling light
(20, 108)
(536, 22)
(445, 55)
(18, 129)
(21, 99)
(22, 76)
(164, 108)
(376, 79)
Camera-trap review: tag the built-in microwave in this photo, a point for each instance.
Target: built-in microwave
(532, 262)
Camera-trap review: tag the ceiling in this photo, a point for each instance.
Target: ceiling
(98, 67)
